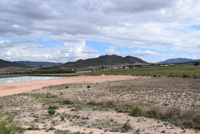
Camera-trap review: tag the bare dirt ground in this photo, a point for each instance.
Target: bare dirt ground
(103, 106)
(15, 88)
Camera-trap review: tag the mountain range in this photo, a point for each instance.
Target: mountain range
(4, 63)
(178, 60)
(103, 61)
(37, 63)
(99, 61)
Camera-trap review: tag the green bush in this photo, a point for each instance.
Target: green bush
(66, 132)
(196, 64)
(138, 110)
(62, 132)
(51, 111)
(185, 76)
(53, 107)
(68, 101)
(9, 126)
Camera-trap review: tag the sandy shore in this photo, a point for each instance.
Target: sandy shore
(16, 88)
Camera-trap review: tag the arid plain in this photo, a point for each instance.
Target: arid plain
(104, 104)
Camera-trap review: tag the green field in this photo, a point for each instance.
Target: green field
(47, 71)
(171, 71)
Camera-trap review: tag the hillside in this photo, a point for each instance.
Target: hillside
(178, 60)
(104, 60)
(37, 63)
(4, 63)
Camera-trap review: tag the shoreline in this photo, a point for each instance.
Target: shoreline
(4, 76)
(21, 87)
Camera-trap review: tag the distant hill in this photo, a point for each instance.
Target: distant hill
(178, 60)
(37, 63)
(103, 61)
(4, 63)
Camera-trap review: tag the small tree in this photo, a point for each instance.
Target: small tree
(196, 64)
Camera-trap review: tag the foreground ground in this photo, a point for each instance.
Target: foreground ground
(104, 107)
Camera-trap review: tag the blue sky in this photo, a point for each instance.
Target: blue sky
(79, 29)
(195, 27)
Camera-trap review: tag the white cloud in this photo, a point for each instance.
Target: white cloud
(153, 24)
(141, 53)
(111, 50)
(36, 52)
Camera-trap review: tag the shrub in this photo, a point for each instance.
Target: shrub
(188, 124)
(53, 107)
(9, 126)
(51, 111)
(170, 112)
(68, 101)
(62, 132)
(110, 103)
(186, 114)
(66, 132)
(94, 102)
(196, 118)
(154, 112)
(154, 75)
(126, 127)
(138, 110)
(196, 64)
(185, 76)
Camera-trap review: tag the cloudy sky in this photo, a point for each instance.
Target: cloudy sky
(67, 30)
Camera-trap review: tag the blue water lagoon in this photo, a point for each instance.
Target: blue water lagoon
(26, 78)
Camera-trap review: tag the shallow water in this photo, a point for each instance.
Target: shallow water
(26, 78)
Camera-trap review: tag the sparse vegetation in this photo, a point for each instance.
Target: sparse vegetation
(126, 127)
(53, 107)
(185, 119)
(196, 64)
(51, 111)
(108, 103)
(138, 110)
(67, 132)
(9, 126)
(68, 101)
(48, 71)
(185, 76)
(171, 101)
(170, 71)
(93, 102)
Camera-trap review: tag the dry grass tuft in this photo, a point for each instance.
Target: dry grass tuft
(169, 112)
(9, 126)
